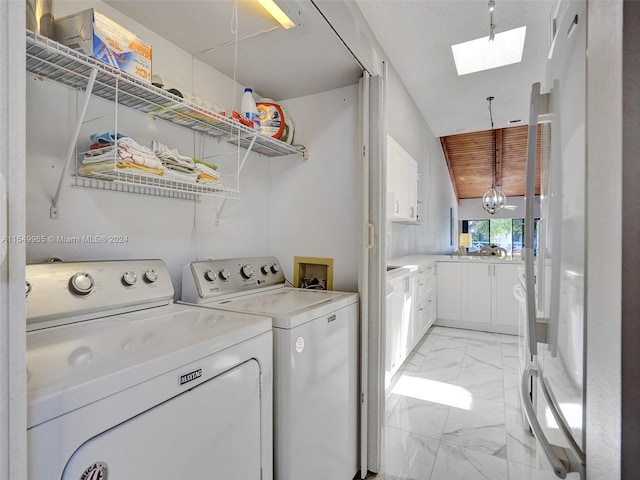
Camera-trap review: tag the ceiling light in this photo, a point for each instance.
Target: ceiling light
(276, 12)
(492, 5)
(482, 54)
(494, 198)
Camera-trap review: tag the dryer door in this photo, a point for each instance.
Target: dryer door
(209, 432)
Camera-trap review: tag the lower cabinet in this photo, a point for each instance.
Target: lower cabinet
(397, 323)
(411, 310)
(478, 295)
(448, 288)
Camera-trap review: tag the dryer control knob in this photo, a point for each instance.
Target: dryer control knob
(129, 278)
(210, 275)
(224, 274)
(246, 271)
(150, 276)
(81, 283)
(275, 268)
(265, 269)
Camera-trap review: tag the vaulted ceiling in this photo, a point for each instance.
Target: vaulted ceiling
(469, 158)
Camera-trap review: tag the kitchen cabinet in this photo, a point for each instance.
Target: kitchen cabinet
(448, 290)
(476, 288)
(478, 295)
(47, 59)
(402, 184)
(424, 313)
(397, 323)
(411, 310)
(503, 304)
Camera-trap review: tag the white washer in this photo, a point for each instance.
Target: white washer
(124, 384)
(316, 343)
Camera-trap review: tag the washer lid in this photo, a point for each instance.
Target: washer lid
(72, 365)
(289, 307)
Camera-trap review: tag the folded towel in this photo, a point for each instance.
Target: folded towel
(180, 176)
(128, 150)
(204, 178)
(171, 157)
(109, 167)
(212, 166)
(107, 137)
(202, 168)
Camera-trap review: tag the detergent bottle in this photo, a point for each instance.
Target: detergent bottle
(248, 107)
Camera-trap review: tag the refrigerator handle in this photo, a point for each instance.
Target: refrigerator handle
(562, 460)
(530, 175)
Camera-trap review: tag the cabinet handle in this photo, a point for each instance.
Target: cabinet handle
(4, 219)
(489, 268)
(371, 235)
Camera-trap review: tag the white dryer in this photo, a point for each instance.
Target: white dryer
(125, 384)
(316, 352)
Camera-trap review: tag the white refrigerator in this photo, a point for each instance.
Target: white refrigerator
(555, 320)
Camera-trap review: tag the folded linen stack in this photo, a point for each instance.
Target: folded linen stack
(115, 151)
(206, 172)
(177, 166)
(126, 154)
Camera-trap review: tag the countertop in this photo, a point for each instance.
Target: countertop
(415, 260)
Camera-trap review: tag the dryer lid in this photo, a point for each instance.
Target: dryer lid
(72, 365)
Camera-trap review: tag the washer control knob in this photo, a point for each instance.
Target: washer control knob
(81, 283)
(265, 269)
(246, 271)
(275, 268)
(129, 278)
(224, 274)
(210, 275)
(27, 287)
(150, 276)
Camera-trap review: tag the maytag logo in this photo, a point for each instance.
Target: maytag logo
(190, 377)
(97, 471)
(330, 319)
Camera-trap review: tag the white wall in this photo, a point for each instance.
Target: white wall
(407, 126)
(269, 219)
(315, 203)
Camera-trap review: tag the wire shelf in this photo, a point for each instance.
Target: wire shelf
(128, 182)
(49, 59)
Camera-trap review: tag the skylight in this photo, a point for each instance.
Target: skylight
(482, 54)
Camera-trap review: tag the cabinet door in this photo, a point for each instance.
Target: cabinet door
(394, 320)
(425, 315)
(406, 327)
(476, 292)
(412, 188)
(392, 204)
(448, 282)
(402, 183)
(505, 306)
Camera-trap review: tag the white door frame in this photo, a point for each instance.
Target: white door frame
(13, 406)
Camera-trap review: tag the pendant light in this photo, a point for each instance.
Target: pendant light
(494, 198)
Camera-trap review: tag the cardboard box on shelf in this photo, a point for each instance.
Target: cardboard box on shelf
(102, 38)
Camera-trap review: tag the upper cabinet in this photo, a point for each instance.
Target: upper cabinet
(402, 184)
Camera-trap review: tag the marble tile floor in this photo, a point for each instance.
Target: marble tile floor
(453, 413)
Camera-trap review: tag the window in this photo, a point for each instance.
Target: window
(507, 233)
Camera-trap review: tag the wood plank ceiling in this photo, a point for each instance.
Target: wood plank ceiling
(469, 157)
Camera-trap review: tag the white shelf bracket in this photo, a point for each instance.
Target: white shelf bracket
(240, 167)
(53, 213)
